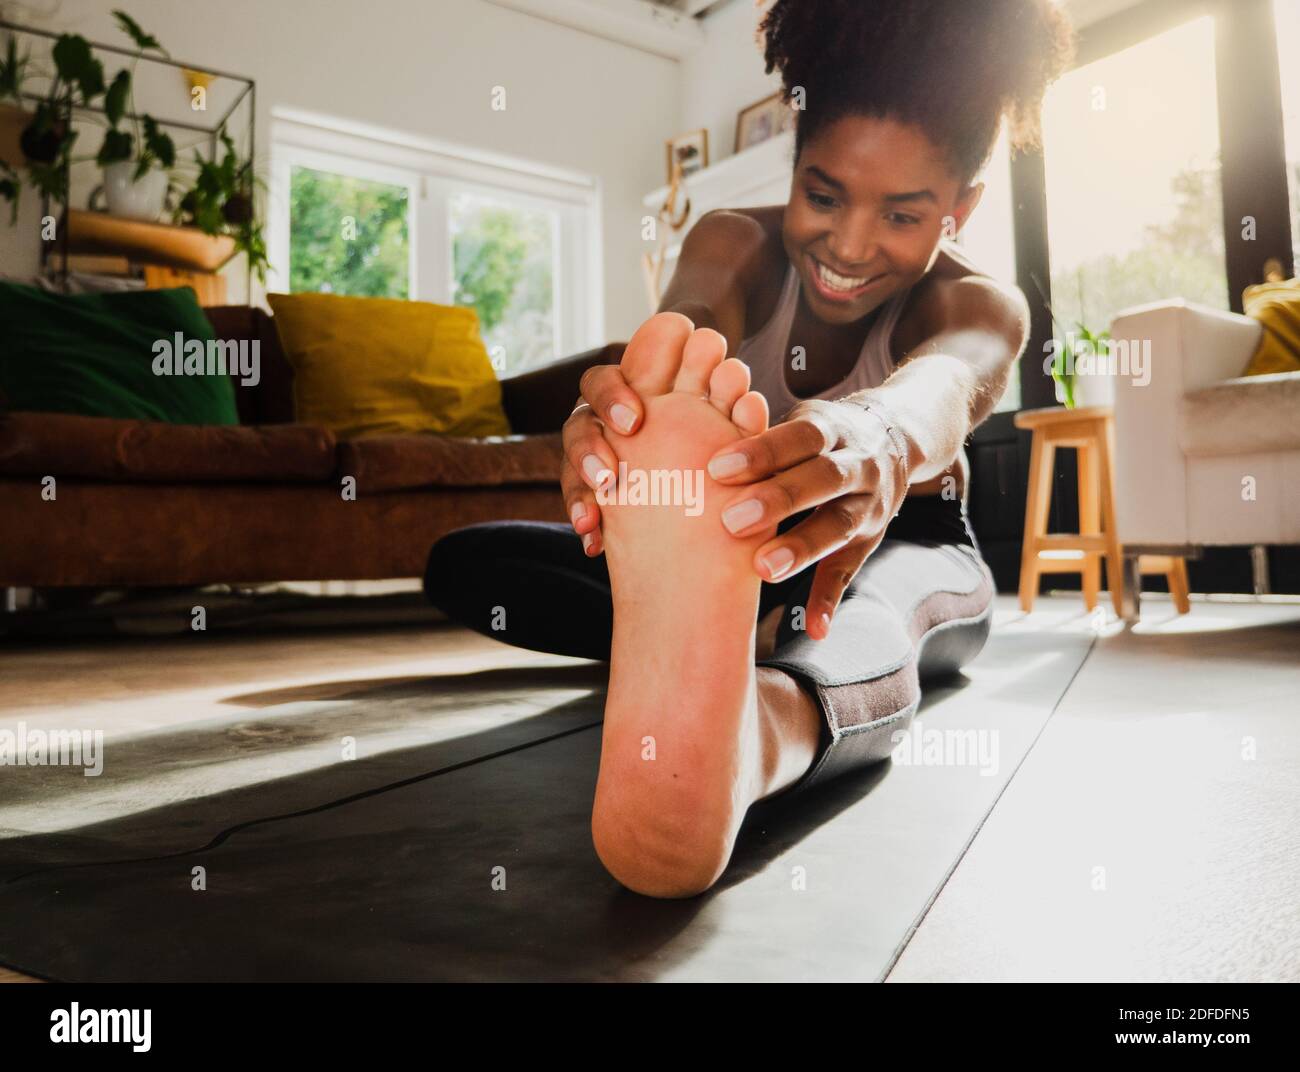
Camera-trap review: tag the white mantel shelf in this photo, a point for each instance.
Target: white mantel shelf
(759, 175)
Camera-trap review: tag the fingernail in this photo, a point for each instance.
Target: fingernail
(726, 465)
(587, 541)
(578, 512)
(826, 622)
(778, 561)
(624, 417)
(595, 471)
(742, 515)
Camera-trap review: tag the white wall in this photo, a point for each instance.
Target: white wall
(426, 67)
(724, 76)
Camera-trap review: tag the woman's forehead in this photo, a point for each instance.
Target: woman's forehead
(868, 154)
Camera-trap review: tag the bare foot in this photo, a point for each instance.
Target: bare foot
(683, 746)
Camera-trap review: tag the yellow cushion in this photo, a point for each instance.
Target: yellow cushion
(1277, 307)
(380, 366)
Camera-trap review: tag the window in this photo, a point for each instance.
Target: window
(1286, 18)
(364, 212)
(348, 235)
(989, 237)
(1131, 152)
(503, 265)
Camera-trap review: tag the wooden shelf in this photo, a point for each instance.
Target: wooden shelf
(147, 243)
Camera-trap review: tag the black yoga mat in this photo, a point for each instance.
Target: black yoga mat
(467, 856)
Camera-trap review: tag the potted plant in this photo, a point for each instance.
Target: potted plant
(136, 161)
(13, 116)
(13, 119)
(1072, 388)
(45, 140)
(221, 202)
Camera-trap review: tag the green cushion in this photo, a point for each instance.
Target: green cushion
(93, 354)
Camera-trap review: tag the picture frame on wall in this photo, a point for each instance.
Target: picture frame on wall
(690, 150)
(761, 120)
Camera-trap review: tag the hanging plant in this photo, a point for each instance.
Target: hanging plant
(13, 73)
(79, 81)
(148, 145)
(221, 202)
(222, 198)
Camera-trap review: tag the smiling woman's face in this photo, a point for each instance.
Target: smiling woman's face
(866, 214)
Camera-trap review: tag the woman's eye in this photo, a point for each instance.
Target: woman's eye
(899, 218)
(821, 200)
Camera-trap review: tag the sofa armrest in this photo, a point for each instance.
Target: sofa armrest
(540, 401)
(1182, 346)
(1193, 345)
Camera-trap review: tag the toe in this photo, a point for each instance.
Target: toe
(654, 353)
(728, 382)
(750, 413)
(704, 351)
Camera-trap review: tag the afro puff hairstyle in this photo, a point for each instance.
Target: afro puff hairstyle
(954, 68)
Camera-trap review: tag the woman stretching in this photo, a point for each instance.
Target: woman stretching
(770, 597)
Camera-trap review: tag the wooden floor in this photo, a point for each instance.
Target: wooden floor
(1162, 789)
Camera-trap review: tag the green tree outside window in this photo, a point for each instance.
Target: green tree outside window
(348, 236)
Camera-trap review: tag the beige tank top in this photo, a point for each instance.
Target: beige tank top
(768, 352)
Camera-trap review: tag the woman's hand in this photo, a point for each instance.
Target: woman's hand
(835, 457)
(607, 402)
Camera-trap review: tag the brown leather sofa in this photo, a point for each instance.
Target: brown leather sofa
(144, 503)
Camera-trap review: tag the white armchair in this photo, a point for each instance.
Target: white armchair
(1203, 456)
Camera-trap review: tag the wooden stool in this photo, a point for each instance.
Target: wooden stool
(1091, 432)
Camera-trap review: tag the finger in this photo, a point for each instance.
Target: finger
(826, 478)
(834, 574)
(703, 352)
(607, 393)
(587, 451)
(782, 447)
(579, 501)
(644, 366)
(830, 527)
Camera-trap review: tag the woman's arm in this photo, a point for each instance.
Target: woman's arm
(715, 273)
(709, 288)
(945, 387)
(853, 459)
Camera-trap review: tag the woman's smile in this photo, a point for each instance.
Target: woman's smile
(830, 286)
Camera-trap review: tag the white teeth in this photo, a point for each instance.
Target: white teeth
(838, 282)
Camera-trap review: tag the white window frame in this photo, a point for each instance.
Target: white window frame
(433, 172)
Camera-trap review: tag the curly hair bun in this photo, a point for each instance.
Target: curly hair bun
(955, 68)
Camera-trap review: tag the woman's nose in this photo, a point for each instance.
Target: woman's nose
(854, 246)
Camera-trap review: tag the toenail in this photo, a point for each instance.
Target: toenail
(778, 561)
(595, 470)
(726, 465)
(742, 514)
(624, 417)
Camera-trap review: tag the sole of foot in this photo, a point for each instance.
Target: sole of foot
(681, 755)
